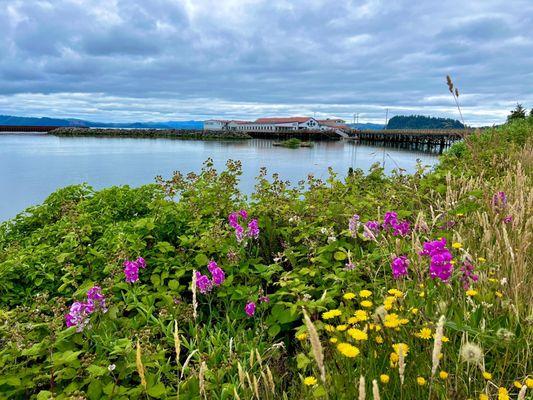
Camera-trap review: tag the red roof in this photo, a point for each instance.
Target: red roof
(281, 120)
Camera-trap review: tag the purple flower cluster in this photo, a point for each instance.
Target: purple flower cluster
(205, 284)
(390, 223)
(80, 311)
(499, 201)
(240, 234)
(399, 228)
(371, 229)
(467, 275)
(440, 264)
(399, 266)
(131, 269)
(249, 309)
(353, 225)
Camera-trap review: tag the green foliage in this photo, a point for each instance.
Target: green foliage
(51, 254)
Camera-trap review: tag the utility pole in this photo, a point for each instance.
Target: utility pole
(387, 118)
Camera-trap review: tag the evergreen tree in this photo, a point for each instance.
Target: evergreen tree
(518, 113)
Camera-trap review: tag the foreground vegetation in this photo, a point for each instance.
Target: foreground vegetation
(408, 287)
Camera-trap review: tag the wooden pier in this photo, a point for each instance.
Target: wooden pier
(432, 137)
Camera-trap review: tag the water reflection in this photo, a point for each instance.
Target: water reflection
(33, 165)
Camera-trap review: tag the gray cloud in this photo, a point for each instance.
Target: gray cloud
(125, 60)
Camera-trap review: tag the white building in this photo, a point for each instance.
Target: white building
(215, 125)
(282, 124)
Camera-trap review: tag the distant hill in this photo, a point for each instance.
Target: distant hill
(422, 122)
(366, 126)
(33, 121)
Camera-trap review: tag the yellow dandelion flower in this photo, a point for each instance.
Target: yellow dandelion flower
(347, 350)
(329, 328)
(333, 340)
(503, 394)
(404, 321)
(353, 320)
(529, 383)
(331, 314)
(366, 303)
(384, 378)
(471, 293)
(301, 336)
(424, 333)
(379, 339)
(457, 245)
(398, 346)
(493, 280)
(361, 315)
(443, 375)
(391, 321)
(487, 375)
(445, 339)
(460, 214)
(414, 311)
(349, 296)
(342, 328)
(395, 292)
(483, 396)
(357, 334)
(517, 385)
(481, 259)
(394, 358)
(421, 381)
(310, 381)
(499, 294)
(422, 294)
(365, 293)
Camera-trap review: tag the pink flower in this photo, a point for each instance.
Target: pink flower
(203, 283)
(216, 272)
(131, 269)
(508, 219)
(250, 309)
(399, 266)
(253, 229)
(440, 257)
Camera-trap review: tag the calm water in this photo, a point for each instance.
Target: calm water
(34, 165)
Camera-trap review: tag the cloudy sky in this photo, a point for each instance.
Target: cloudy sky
(130, 60)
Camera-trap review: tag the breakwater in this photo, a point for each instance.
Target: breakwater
(150, 133)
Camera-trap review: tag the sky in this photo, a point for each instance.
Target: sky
(157, 60)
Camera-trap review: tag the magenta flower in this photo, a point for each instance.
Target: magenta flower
(399, 266)
(508, 219)
(264, 299)
(253, 229)
(440, 259)
(250, 309)
(79, 312)
(401, 229)
(131, 269)
(203, 283)
(390, 219)
(240, 234)
(216, 272)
